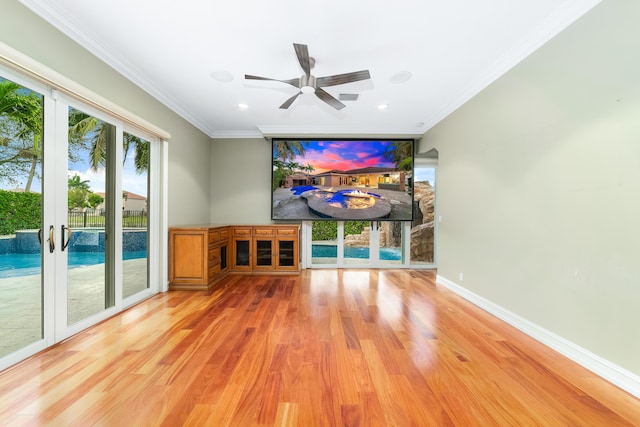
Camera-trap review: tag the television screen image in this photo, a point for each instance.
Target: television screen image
(360, 180)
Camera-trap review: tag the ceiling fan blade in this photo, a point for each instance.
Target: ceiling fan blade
(339, 79)
(329, 99)
(289, 101)
(302, 52)
(293, 82)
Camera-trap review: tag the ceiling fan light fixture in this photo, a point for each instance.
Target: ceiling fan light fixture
(307, 89)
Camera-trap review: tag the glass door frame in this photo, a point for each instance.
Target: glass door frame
(155, 214)
(114, 265)
(47, 291)
(113, 237)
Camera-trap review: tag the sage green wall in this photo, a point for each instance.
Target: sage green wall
(539, 187)
(189, 192)
(241, 181)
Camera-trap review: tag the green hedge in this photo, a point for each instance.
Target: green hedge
(19, 211)
(328, 230)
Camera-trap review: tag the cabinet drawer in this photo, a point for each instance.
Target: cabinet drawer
(214, 235)
(214, 256)
(262, 231)
(213, 270)
(289, 231)
(242, 231)
(224, 234)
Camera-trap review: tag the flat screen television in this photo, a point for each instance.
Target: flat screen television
(337, 179)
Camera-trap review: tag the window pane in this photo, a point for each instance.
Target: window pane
(135, 214)
(391, 242)
(356, 242)
(88, 291)
(422, 230)
(21, 145)
(324, 238)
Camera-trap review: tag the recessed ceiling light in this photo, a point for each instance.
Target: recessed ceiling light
(222, 76)
(383, 106)
(243, 106)
(401, 77)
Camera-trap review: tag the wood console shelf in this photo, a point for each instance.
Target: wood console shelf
(199, 256)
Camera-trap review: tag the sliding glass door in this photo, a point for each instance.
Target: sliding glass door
(77, 216)
(83, 233)
(21, 216)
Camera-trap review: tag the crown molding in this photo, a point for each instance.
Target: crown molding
(236, 134)
(337, 131)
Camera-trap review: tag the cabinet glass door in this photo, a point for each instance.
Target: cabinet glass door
(223, 257)
(286, 253)
(242, 253)
(264, 253)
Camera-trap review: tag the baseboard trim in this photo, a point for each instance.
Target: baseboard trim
(620, 377)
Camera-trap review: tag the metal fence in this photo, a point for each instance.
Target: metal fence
(96, 218)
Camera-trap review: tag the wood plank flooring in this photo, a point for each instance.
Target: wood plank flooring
(325, 348)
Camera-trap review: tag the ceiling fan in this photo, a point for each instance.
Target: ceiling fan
(310, 84)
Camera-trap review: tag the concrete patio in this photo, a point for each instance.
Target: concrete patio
(21, 300)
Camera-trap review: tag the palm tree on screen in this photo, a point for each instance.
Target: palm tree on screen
(400, 153)
(288, 150)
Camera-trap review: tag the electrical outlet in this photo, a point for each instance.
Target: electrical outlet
(461, 277)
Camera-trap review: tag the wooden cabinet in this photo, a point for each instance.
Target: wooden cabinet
(264, 249)
(287, 249)
(241, 247)
(198, 256)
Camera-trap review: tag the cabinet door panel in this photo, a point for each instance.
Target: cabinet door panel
(242, 254)
(188, 250)
(263, 252)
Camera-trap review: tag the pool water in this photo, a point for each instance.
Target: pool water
(17, 265)
(298, 190)
(339, 198)
(331, 251)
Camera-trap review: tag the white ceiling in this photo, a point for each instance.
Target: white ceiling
(452, 50)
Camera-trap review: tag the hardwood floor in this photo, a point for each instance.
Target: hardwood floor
(325, 348)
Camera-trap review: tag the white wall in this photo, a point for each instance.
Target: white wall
(241, 181)
(539, 187)
(189, 192)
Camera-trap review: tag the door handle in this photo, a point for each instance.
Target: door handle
(52, 235)
(65, 244)
(40, 236)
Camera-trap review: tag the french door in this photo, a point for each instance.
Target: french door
(77, 185)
